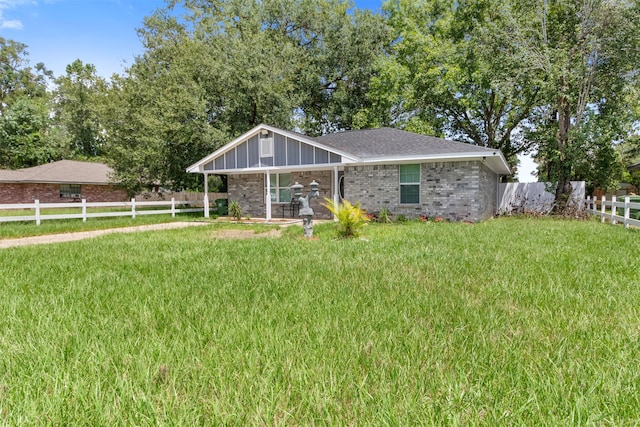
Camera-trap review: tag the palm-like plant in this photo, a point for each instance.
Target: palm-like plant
(235, 210)
(351, 218)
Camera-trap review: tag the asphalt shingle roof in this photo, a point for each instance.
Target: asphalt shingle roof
(63, 171)
(388, 143)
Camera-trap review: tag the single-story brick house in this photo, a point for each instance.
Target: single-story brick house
(59, 182)
(407, 173)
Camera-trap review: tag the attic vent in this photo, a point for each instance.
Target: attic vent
(266, 146)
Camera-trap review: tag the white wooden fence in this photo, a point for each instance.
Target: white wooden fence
(614, 210)
(133, 208)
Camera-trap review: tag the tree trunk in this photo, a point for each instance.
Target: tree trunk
(562, 168)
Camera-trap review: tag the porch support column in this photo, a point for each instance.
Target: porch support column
(206, 195)
(268, 195)
(336, 190)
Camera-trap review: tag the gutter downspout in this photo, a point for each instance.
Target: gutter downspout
(497, 210)
(336, 190)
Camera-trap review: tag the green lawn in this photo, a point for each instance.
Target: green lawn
(29, 228)
(509, 322)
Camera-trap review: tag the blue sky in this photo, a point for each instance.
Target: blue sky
(98, 32)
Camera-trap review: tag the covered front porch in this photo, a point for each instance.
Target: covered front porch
(262, 164)
(268, 194)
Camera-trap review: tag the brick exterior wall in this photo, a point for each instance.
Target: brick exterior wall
(249, 191)
(458, 191)
(488, 192)
(50, 193)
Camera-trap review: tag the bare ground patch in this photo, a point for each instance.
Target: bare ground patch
(244, 234)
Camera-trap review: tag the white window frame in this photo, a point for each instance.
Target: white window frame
(73, 191)
(275, 185)
(413, 183)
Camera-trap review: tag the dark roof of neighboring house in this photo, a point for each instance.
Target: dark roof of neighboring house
(634, 167)
(60, 172)
(389, 142)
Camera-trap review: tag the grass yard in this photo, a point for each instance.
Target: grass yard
(29, 228)
(510, 322)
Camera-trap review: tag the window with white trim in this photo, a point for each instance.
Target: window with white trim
(280, 187)
(409, 184)
(71, 191)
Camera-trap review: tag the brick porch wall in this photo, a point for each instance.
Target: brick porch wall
(50, 193)
(249, 191)
(458, 191)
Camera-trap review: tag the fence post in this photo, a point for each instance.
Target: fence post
(37, 203)
(84, 210)
(173, 207)
(133, 208)
(588, 203)
(604, 199)
(627, 211)
(614, 210)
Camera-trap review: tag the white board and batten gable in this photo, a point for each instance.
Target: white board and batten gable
(268, 148)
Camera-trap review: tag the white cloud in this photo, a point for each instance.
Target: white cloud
(6, 4)
(13, 24)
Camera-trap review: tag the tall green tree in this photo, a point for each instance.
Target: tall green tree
(336, 47)
(157, 123)
(23, 134)
(24, 109)
(17, 78)
(588, 51)
(454, 69)
(222, 67)
(77, 99)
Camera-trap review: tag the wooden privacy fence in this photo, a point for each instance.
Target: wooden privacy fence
(624, 211)
(133, 208)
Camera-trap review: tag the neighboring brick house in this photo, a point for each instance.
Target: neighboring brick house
(407, 173)
(59, 182)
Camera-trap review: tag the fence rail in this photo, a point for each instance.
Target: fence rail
(133, 208)
(611, 210)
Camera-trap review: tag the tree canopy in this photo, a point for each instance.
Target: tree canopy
(226, 66)
(453, 69)
(24, 113)
(589, 53)
(555, 77)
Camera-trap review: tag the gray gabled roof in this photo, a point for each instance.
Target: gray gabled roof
(379, 146)
(60, 172)
(395, 145)
(387, 143)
